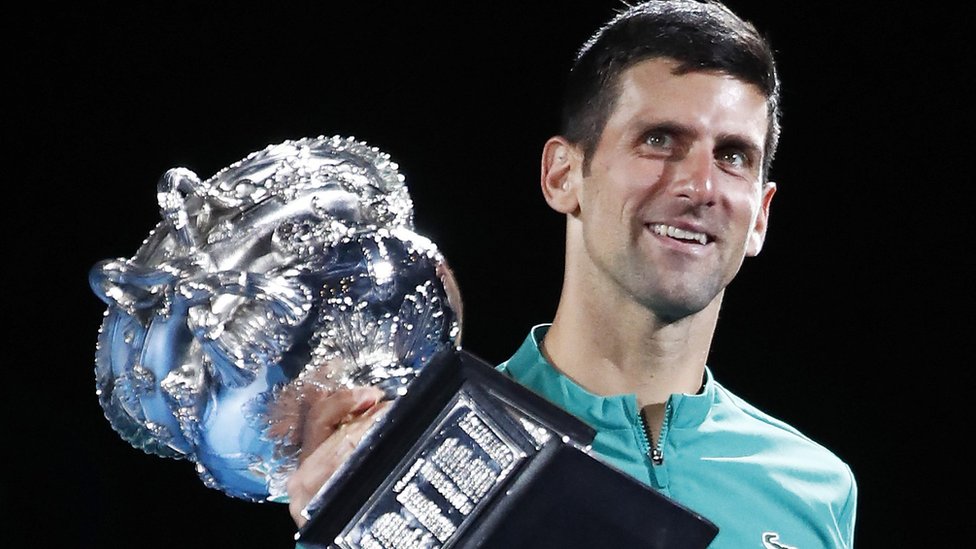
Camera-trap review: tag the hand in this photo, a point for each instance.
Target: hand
(333, 427)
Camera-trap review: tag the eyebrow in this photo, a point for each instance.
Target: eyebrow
(667, 126)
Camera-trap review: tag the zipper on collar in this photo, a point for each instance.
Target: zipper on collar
(644, 437)
(656, 452)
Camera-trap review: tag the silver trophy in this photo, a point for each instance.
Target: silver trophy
(295, 269)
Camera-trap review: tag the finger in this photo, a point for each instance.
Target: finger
(316, 467)
(327, 413)
(365, 398)
(357, 427)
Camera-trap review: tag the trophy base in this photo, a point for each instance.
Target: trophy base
(470, 458)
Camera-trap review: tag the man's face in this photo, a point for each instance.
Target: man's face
(674, 199)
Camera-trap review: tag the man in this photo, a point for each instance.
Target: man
(670, 124)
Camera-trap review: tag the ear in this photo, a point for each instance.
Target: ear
(559, 158)
(758, 234)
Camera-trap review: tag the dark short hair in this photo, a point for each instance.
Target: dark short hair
(700, 35)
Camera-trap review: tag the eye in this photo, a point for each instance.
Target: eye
(660, 140)
(734, 158)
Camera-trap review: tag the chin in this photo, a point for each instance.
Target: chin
(678, 305)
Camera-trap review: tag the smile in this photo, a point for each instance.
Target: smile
(679, 234)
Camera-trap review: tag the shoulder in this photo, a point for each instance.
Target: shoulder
(801, 469)
(783, 445)
(735, 405)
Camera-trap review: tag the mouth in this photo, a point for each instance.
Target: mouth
(682, 235)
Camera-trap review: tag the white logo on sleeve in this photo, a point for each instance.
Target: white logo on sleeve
(771, 541)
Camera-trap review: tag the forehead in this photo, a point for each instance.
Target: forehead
(651, 91)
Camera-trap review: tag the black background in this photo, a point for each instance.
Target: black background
(843, 326)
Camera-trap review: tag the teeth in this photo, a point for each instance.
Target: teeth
(681, 234)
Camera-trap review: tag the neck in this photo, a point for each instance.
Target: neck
(616, 346)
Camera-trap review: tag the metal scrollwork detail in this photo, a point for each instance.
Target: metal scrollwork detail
(298, 262)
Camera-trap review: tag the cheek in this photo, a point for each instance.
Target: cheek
(629, 187)
(616, 191)
(743, 201)
(745, 213)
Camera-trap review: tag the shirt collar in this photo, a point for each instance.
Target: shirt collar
(532, 370)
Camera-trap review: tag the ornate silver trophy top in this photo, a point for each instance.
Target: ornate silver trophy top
(294, 269)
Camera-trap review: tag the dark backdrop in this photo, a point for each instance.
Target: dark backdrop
(841, 326)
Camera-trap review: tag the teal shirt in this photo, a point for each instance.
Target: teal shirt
(761, 481)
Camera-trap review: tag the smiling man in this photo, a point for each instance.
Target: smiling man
(670, 125)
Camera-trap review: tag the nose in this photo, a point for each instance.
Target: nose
(694, 177)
